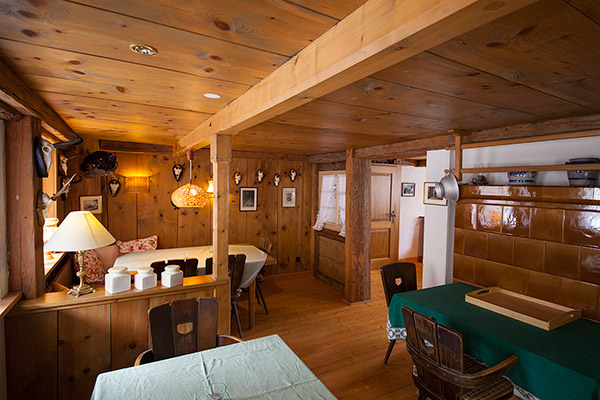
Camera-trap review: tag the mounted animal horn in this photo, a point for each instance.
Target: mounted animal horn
(44, 150)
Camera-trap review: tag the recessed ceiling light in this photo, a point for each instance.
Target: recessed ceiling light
(143, 49)
(212, 95)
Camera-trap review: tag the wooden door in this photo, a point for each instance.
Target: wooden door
(384, 214)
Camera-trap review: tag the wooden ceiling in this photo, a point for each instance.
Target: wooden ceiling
(541, 62)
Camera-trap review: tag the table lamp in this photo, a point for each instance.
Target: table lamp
(80, 231)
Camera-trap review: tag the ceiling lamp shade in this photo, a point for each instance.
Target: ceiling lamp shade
(189, 195)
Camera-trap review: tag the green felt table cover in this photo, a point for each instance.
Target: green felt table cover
(264, 368)
(560, 364)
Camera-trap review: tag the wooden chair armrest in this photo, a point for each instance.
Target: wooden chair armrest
(223, 340)
(144, 358)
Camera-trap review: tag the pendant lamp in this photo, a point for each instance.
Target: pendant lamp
(189, 195)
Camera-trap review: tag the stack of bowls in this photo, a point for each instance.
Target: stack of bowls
(583, 177)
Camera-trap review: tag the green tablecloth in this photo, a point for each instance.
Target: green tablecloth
(560, 364)
(264, 368)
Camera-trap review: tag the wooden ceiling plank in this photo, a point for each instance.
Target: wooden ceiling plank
(8, 113)
(134, 147)
(589, 8)
(15, 93)
(333, 8)
(377, 35)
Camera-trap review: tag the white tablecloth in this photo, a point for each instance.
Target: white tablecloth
(255, 258)
(264, 368)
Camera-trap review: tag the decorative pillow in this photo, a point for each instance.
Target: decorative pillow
(93, 267)
(149, 243)
(107, 255)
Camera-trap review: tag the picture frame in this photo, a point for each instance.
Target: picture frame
(430, 197)
(92, 204)
(408, 189)
(248, 199)
(288, 197)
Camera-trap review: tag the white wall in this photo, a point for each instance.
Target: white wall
(439, 226)
(3, 260)
(411, 208)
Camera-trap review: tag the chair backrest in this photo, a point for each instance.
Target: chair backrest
(397, 278)
(265, 245)
(236, 265)
(183, 326)
(188, 266)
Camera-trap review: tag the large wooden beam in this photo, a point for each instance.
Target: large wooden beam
(9, 113)
(15, 93)
(220, 157)
(377, 35)
(358, 228)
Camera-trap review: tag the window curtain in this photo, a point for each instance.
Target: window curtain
(342, 203)
(333, 196)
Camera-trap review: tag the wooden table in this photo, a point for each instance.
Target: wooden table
(264, 368)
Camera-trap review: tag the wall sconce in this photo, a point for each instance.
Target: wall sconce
(210, 189)
(137, 184)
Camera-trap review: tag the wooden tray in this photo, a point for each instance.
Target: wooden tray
(530, 310)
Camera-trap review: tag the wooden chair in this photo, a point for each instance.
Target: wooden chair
(183, 326)
(442, 370)
(397, 278)
(266, 246)
(188, 266)
(237, 263)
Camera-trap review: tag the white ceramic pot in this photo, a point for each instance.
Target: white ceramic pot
(145, 278)
(521, 178)
(583, 177)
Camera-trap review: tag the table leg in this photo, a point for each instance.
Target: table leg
(251, 303)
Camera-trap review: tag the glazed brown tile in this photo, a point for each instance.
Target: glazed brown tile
(529, 253)
(515, 221)
(464, 268)
(512, 278)
(475, 244)
(459, 241)
(562, 259)
(524, 193)
(489, 218)
(589, 270)
(543, 286)
(466, 216)
(547, 224)
(582, 227)
(580, 295)
(560, 193)
(486, 273)
(500, 248)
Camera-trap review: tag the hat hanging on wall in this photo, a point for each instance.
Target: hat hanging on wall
(447, 188)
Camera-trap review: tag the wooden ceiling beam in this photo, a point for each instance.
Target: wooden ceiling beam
(15, 93)
(8, 113)
(377, 35)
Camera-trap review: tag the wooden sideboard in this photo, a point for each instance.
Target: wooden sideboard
(57, 344)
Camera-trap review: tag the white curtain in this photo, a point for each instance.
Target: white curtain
(333, 196)
(342, 202)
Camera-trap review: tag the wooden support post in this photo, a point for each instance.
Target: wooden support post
(24, 233)
(358, 228)
(220, 156)
(313, 219)
(458, 140)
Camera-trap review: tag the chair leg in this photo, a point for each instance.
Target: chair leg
(237, 317)
(389, 351)
(260, 293)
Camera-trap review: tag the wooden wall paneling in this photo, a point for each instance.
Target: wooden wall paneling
(237, 218)
(129, 332)
(263, 223)
(194, 227)
(25, 254)
(83, 349)
(307, 213)
(156, 214)
(289, 221)
(92, 185)
(122, 220)
(31, 356)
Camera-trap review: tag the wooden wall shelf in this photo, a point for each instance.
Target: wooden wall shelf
(565, 167)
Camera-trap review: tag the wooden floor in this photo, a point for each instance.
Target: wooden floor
(344, 345)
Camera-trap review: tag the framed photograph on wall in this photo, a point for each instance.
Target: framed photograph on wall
(429, 196)
(248, 199)
(92, 204)
(288, 197)
(408, 189)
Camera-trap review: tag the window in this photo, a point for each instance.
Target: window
(332, 202)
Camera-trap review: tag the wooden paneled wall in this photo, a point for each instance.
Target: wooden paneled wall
(539, 241)
(128, 216)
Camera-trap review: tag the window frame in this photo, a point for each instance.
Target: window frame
(337, 226)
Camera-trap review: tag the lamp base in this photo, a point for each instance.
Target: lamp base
(80, 290)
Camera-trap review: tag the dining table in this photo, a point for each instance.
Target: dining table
(263, 368)
(563, 363)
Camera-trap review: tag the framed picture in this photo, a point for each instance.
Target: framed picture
(429, 196)
(248, 199)
(91, 203)
(408, 189)
(289, 197)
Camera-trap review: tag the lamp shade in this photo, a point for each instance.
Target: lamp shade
(80, 230)
(189, 195)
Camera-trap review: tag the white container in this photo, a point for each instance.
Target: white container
(171, 276)
(117, 280)
(145, 278)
